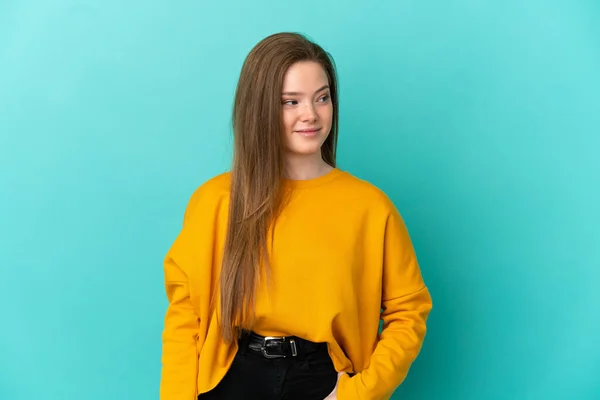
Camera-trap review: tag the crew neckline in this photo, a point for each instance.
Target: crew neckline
(309, 183)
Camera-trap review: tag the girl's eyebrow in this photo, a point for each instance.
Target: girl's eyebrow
(300, 93)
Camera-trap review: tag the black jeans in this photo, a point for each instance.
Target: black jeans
(308, 376)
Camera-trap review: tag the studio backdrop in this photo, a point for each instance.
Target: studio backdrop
(480, 119)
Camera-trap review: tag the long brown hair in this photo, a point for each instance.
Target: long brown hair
(257, 172)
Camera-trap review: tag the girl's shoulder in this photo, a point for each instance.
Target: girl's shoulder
(210, 194)
(367, 191)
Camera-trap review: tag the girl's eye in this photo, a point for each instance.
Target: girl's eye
(324, 98)
(290, 102)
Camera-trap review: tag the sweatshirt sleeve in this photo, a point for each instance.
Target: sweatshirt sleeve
(406, 304)
(181, 325)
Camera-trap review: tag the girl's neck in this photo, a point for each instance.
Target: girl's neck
(306, 167)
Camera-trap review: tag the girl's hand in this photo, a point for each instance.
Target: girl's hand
(333, 395)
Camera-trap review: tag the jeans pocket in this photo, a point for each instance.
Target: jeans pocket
(321, 365)
(327, 376)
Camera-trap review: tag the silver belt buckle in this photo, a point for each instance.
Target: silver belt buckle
(263, 349)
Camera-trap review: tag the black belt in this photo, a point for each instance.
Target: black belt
(280, 347)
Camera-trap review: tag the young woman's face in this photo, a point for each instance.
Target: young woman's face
(307, 108)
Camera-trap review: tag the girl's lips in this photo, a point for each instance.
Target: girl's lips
(308, 132)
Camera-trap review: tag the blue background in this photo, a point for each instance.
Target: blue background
(480, 119)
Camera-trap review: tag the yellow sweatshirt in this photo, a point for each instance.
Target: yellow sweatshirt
(341, 260)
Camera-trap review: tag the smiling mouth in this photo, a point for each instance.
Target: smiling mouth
(308, 131)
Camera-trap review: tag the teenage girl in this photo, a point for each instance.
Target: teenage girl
(285, 265)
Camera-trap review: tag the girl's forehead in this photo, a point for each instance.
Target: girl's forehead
(304, 76)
